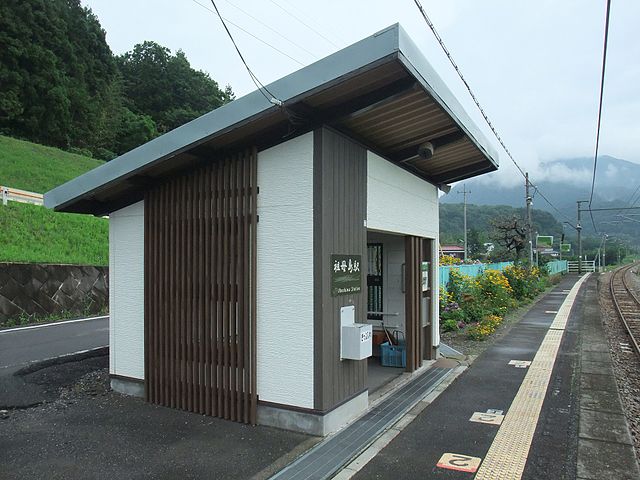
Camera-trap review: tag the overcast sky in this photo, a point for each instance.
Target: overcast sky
(534, 66)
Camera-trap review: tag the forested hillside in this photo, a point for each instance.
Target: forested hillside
(479, 219)
(62, 86)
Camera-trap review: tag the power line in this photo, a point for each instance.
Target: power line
(595, 156)
(295, 44)
(604, 64)
(537, 190)
(250, 34)
(484, 115)
(330, 29)
(466, 84)
(268, 95)
(304, 23)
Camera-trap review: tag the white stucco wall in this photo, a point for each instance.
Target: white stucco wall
(399, 202)
(285, 273)
(126, 291)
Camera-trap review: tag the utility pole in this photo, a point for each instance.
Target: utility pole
(579, 229)
(604, 253)
(464, 193)
(529, 202)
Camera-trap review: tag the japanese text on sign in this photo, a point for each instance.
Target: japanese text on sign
(346, 274)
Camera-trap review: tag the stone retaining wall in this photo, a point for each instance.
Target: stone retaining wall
(44, 289)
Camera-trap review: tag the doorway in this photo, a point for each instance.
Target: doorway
(399, 304)
(386, 307)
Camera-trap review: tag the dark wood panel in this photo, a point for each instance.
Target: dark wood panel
(413, 248)
(340, 193)
(200, 255)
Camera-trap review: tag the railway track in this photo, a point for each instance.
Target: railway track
(627, 304)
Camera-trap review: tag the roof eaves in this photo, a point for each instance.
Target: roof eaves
(357, 56)
(413, 59)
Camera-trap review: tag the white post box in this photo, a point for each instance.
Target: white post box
(356, 339)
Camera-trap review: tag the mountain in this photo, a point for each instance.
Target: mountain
(564, 182)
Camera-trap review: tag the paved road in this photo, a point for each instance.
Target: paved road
(19, 347)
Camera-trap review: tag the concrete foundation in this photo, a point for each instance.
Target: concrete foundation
(319, 424)
(127, 386)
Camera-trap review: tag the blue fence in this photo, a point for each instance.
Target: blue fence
(471, 270)
(555, 267)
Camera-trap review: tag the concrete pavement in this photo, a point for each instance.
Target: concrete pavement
(564, 445)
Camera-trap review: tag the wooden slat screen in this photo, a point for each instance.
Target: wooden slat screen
(200, 284)
(413, 296)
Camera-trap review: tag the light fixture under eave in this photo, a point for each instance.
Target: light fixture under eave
(444, 187)
(425, 150)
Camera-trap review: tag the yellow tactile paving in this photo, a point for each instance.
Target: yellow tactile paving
(507, 455)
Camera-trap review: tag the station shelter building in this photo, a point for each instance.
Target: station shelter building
(256, 251)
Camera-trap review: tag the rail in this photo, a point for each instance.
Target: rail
(23, 196)
(626, 303)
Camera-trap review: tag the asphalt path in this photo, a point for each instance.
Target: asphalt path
(21, 346)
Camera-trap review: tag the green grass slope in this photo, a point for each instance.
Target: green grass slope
(34, 234)
(37, 168)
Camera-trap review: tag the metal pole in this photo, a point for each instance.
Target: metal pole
(561, 240)
(579, 229)
(464, 196)
(604, 253)
(529, 202)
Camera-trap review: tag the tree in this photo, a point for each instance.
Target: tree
(56, 72)
(510, 233)
(134, 130)
(62, 86)
(474, 243)
(166, 88)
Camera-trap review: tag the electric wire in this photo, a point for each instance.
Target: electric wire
(477, 102)
(292, 15)
(267, 26)
(629, 204)
(250, 34)
(466, 84)
(328, 28)
(604, 64)
(269, 96)
(595, 156)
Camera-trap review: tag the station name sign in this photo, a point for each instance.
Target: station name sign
(346, 274)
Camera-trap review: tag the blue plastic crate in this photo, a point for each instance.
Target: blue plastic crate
(393, 355)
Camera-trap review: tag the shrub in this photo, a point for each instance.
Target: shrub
(459, 285)
(449, 325)
(525, 282)
(484, 328)
(449, 260)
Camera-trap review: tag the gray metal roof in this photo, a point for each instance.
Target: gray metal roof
(381, 91)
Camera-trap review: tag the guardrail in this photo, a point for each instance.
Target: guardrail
(587, 266)
(16, 195)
